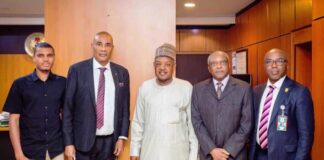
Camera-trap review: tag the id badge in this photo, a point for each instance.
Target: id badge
(282, 123)
(282, 120)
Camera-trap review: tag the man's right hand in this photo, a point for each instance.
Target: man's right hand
(70, 152)
(134, 158)
(21, 157)
(219, 154)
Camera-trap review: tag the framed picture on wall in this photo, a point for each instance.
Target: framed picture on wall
(239, 62)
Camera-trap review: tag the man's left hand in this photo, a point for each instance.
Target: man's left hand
(119, 147)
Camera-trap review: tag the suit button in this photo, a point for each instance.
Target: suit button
(45, 94)
(45, 107)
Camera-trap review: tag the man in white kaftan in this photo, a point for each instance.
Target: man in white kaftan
(161, 127)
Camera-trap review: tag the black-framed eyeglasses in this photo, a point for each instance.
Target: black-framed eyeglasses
(278, 62)
(222, 63)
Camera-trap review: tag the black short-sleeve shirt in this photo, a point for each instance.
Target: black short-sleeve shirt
(39, 104)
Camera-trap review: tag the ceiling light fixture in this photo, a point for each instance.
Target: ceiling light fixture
(189, 4)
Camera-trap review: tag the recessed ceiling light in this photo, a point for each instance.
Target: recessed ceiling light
(189, 5)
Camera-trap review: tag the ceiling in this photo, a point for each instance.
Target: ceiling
(21, 8)
(206, 12)
(209, 12)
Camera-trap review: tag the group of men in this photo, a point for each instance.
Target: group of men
(86, 116)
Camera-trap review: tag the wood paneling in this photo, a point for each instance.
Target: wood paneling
(318, 9)
(253, 63)
(303, 64)
(12, 66)
(287, 16)
(215, 40)
(177, 40)
(303, 13)
(138, 28)
(192, 40)
(318, 83)
(302, 36)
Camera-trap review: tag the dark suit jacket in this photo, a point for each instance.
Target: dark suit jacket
(225, 122)
(296, 142)
(79, 114)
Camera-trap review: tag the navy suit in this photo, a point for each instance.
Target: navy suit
(79, 114)
(296, 142)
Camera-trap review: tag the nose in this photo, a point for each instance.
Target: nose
(218, 65)
(274, 64)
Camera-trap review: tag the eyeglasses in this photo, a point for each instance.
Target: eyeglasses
(278, 62)
(222, 63)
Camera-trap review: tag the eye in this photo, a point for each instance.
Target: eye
(99, 44)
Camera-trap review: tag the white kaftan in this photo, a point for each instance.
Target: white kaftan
(161, 127)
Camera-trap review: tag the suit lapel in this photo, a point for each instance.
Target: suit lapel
(91, 81)
(258, 97)
(115, 76)
(228, 88)
(282, 95)
(211, 88)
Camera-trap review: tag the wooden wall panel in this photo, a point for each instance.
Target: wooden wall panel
(318, 9)
(318, 83)
(303, 64)
(192, 40)
(70, 26)
(253, 63)
(303, 13)
(215, 40)
(12, 66)
(177, 40)
(302, 36)
(287, 16)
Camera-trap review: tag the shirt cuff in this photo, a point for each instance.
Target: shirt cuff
(123, 137)
(134, 151)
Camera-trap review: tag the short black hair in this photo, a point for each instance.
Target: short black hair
(43, 45)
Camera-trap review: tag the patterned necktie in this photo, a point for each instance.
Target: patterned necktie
(101, 98)
(219, 89)
(263, 124)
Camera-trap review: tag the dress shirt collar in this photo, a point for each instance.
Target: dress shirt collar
(224, 82)
(35, 77)
(97, 65)
(277, 84)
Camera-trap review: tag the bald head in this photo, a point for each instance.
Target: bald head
(276, 51)
(275, 63)
(216, 54)
(102, 34)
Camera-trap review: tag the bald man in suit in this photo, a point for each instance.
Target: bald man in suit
(96, 108)
(284, 115)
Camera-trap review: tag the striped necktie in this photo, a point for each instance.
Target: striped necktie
(101, 98)
(263, 124)
(219, 89)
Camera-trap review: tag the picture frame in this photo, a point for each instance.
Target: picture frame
(240, 62)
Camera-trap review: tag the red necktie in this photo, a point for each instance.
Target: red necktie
(101, 98)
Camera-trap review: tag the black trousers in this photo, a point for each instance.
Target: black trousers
(102, 150)
(261, 154)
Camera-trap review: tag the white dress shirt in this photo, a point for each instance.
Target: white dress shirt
(276, 90)
(109, 103)
(224, 82)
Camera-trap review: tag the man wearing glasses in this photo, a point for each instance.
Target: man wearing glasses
(222, 112)
(284, 115)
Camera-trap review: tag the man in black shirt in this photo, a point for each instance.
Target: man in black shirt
(35, 104)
